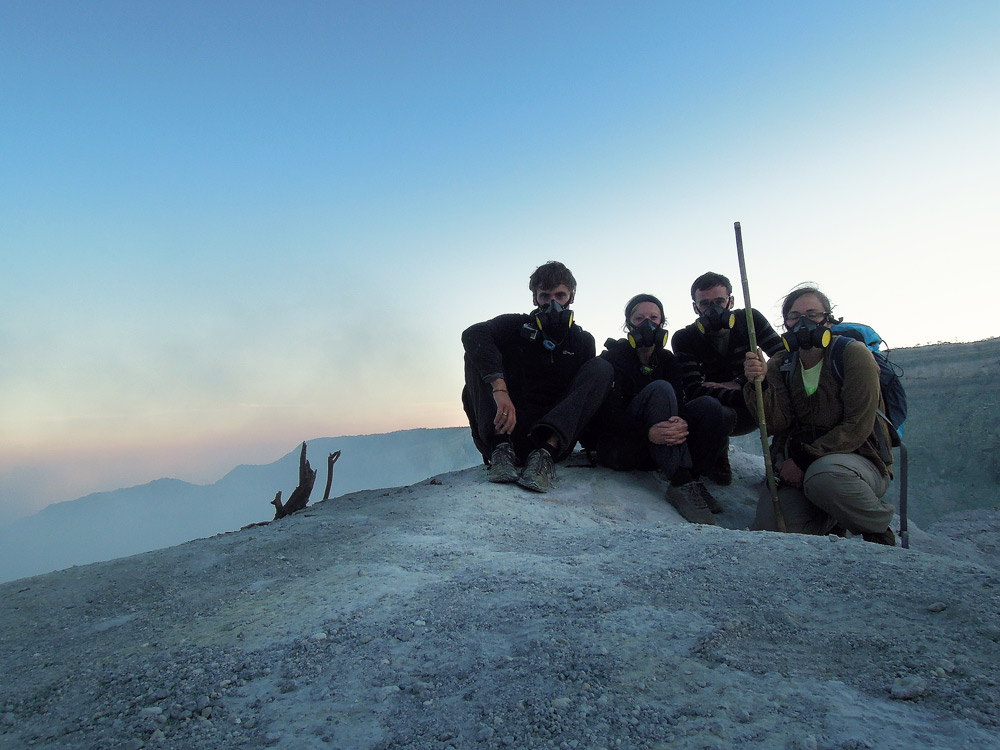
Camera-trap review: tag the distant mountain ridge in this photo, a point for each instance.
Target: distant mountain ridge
(951, 434)
(165, 512)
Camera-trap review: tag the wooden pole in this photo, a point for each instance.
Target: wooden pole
(761, 423)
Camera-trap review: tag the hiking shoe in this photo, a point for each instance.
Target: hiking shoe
(503, 465)
(688, 501)
(538, 471)
(722, 472)
(713, 505)
(886, 537)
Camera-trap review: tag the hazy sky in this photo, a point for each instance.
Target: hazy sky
(227, 227)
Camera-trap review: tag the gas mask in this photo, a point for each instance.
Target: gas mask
(716, 318)
(553, 321)
(806, 335)
(647, 334)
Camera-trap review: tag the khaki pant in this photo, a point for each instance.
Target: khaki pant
(842, 488)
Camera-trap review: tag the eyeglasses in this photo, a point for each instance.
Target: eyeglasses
(816, 316)
(704, 304)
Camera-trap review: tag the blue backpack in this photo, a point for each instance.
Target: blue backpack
(893, 393)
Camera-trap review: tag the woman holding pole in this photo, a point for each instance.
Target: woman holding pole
(826, 447)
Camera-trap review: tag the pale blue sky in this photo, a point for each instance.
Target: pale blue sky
(232, 226)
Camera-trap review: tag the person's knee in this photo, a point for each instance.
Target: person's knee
(709, 406)
(828, 471)
(661, 389)
(708, 413)
(661, 398)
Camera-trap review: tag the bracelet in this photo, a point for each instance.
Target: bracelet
(500, 390)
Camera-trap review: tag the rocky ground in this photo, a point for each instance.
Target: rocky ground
(455, 613)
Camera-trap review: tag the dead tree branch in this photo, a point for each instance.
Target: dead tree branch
(300, 495)
(330, 461)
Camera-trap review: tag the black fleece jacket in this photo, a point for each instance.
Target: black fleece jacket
(536, 377)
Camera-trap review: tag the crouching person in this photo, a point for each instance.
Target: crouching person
(532, 383)
(646, 423)
(828, 448)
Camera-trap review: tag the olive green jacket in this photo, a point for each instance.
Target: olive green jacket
(835, 419)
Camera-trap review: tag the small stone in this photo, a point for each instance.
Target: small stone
(937, 607)
(907, 688)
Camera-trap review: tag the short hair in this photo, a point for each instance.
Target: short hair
(550, 275)
(708, 280)
(801, 291)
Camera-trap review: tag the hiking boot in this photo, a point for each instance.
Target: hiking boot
(722, 472)
(713, 505)
(885, 537)
(503, 465)
(538, 471)
(688, 501)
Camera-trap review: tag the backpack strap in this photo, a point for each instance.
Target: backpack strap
(885, 446)
(789, 366)
(837, 347)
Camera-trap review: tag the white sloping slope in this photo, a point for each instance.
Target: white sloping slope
(456, 613)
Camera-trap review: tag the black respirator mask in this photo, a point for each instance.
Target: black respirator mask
(647, 334)
(552, 322)
(806, 335)
(716, 318)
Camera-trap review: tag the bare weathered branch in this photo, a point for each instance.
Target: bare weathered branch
(300, 495)
(330, 461)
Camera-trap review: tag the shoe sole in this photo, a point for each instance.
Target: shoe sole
(533, 486)
(692, 515)
(505, 478)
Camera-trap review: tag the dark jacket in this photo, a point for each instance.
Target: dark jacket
(629, 380)
(701, 361)
(536, 377)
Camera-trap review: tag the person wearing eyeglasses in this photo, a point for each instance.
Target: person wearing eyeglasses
(711, 352)
(646, 423)
(826, 446)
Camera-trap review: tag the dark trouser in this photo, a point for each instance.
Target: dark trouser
(721, 419)
(708, 432)
(739, 420)
(564, 419)
(657, 402)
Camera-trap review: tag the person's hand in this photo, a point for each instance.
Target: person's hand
(730, 385)
(754, 366)
(506, 416)
(673, 431)
(790, 473)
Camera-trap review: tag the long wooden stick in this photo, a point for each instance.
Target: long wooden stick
(761, 423)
